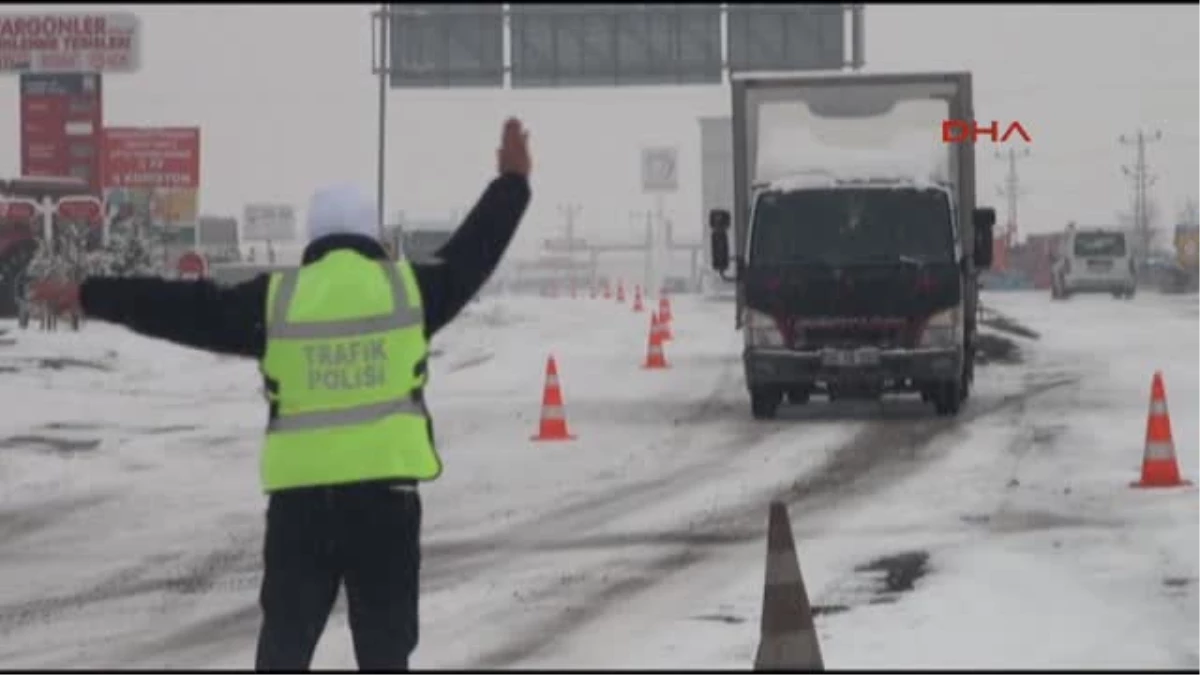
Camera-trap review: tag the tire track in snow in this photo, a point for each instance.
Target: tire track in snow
(175, 582)
(853, 471)
(445, 564)
(449, 561)
(28, 519)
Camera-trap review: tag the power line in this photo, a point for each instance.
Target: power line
(1139, 174)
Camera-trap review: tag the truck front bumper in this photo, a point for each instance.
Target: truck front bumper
(901, 368)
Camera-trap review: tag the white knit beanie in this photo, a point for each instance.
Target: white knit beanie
(341, 209)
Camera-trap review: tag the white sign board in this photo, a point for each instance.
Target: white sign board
(659, 169)
(269, 222)
(61, 42)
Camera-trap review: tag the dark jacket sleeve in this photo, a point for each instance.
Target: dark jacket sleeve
(198, 314)
(471, 255)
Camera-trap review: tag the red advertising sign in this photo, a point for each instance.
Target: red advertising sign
(151, 157)
(81, 210)
(61, 121)
(16, 211)
(69, 42)
(192, 265)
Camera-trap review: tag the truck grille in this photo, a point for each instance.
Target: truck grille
(883, 334)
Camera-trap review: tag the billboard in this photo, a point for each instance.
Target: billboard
(658, 170)
(217, 232)
(444, 45)
(58, 42)
(61, 123)
(796, 36)
(151, 178)
(615, 45)
(269, 222)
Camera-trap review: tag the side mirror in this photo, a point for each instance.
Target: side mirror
(984, 220)
(718, 225)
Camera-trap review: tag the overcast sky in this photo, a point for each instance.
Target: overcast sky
(285, 100)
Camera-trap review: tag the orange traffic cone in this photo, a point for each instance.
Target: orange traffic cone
(664, 331)
(664, 319)
(637, 299)
(1159, 466)
(621, 292)
(655, 358)
(553, 425)
(664, 309)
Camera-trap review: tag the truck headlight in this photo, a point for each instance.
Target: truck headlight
(761, 330)
(942, 329)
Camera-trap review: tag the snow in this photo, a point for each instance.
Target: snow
(639, 545)
(896, 175)
(854, 139)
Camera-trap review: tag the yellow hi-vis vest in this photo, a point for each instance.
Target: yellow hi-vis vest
(345, 364)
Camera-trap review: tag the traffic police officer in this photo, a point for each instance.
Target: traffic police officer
(342, 344)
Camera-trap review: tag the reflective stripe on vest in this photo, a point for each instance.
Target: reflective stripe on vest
(402, 316)
(357, 415)
(330, 425)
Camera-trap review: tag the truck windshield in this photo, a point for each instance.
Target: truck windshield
(844, 226)
(1108, 244)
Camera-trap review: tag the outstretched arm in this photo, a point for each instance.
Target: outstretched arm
(198, 314)
(471, 255)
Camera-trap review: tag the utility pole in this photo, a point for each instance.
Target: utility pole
(385, 17)
(647, 219)
(1011, 190)
(569, 212)
(1142, 180)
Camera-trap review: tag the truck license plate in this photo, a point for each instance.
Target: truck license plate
(850, 358)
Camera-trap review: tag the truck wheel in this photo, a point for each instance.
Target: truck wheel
(947, 398)
(764, 402)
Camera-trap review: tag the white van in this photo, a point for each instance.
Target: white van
(1094, 260)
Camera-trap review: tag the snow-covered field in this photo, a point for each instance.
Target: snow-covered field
(130, 518)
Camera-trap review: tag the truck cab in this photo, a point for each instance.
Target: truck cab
(853, 288)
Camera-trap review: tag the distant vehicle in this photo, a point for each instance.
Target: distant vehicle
(420, 245)
(1181, 273)
(677, 285)
(1094, 260)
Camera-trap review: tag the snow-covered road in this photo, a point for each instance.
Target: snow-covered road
(130, 519)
